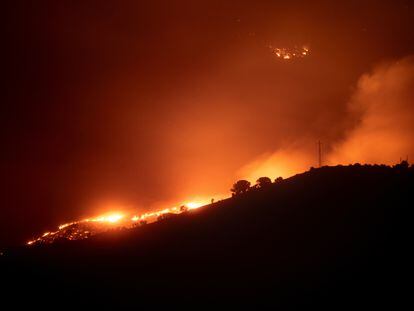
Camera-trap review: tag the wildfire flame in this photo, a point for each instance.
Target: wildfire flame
(193, 205)
(82, 229)
(288, 54)
(111, 218)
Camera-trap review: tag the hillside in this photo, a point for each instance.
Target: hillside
(334, 236)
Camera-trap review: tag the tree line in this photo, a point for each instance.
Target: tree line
(243, 186)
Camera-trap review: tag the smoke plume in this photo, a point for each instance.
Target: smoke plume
(384, 105)
(380, 114)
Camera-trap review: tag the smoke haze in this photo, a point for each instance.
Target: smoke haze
(384, 105)
(141, 104)
(380, 119)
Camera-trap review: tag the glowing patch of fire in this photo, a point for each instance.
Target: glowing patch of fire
(193, 205)
(111, 218)
(85, 228)
(288, 54)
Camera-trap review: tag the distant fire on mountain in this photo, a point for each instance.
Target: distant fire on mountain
(289, 53)
(83, 229)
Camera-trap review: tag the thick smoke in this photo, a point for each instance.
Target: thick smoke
(384, 102)
(381, 127)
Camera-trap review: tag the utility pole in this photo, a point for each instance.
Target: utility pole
(319, 153)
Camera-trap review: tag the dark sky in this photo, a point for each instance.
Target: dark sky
(157, 101)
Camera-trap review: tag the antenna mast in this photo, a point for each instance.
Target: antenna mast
(319, 153)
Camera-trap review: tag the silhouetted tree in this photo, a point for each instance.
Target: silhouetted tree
(278, 180)
(240, 186)
(404, 165)
(263, 182)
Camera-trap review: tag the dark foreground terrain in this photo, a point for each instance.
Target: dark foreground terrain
(335, 237)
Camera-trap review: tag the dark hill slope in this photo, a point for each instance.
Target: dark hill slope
(334, 236)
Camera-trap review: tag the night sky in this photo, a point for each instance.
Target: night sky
(149, 103)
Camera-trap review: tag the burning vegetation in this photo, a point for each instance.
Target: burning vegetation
(88, 227)
(83, 229)
(288, 54)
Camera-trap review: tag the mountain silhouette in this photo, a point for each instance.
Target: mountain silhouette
(333, 237)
